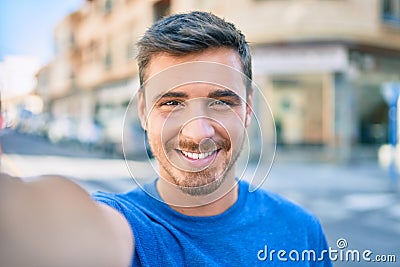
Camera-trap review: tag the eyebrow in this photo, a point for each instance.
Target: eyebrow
(213, 94)
(170, 95)
(223, 93)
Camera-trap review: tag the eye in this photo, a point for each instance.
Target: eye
(219, 102)
(171, 103)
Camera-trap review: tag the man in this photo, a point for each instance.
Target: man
(195, 105)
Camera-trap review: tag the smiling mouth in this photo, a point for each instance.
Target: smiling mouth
(195, 156)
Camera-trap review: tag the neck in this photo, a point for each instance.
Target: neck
(205, 205)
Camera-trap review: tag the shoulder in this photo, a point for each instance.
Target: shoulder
(137, 204)
(282, 218)
(265, 202)
(120, 201)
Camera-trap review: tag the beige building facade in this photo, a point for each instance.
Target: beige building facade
(320, 64)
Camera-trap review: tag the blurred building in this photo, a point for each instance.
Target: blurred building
(321, 64)
(17, 83)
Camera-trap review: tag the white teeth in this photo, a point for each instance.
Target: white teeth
(197, 155)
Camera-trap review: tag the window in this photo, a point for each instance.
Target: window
(72, 42)
(108, 60)
(391, 12)
(108, 5)
(161, 9)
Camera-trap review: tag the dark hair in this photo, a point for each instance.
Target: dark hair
(181, 34)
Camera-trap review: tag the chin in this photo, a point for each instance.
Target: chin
(202, 189)
(202, 183)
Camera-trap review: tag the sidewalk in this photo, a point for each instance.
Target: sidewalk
(80, 168)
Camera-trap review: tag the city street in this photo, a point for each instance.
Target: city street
(355, 203)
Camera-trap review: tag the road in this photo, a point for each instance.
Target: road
(353, 202)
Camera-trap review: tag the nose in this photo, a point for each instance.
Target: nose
(198, 129)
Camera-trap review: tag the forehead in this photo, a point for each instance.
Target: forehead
(217, 67)
(163, 61)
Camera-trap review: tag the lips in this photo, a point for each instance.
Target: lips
(195, 156)
(195, 161)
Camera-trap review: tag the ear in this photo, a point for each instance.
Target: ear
(249, 109)
(142, 109)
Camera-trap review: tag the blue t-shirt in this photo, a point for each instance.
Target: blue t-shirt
(260, 229)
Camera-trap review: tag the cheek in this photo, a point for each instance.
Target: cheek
(236, 133)
(232, 126)
(161, 130)
(153, 132)
(229, 132)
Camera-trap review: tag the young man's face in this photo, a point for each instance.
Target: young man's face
(195, 129)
